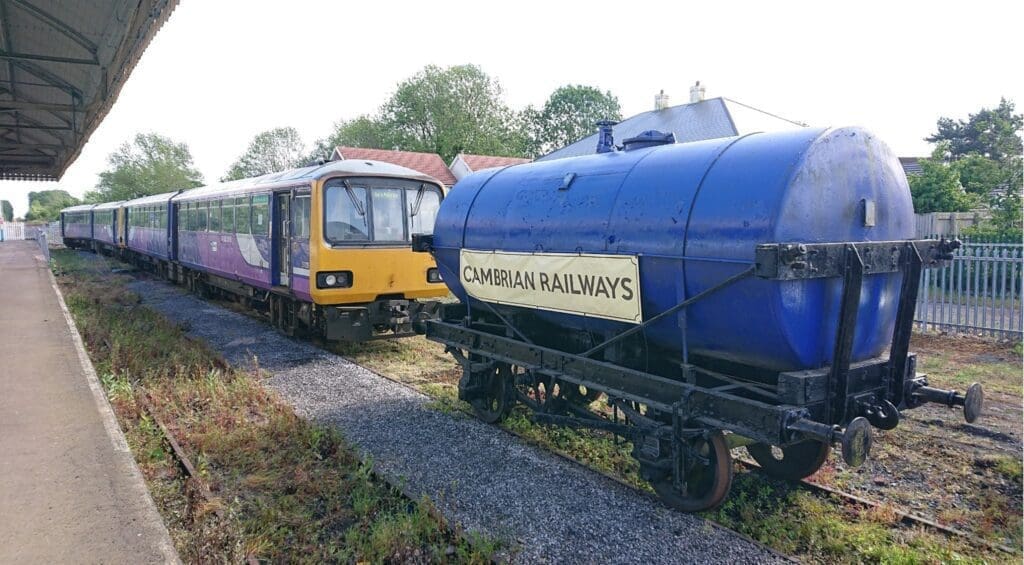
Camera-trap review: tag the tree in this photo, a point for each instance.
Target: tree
(980, 175)
(450, 111)
(150, 164)
(992, 133)
(6, 211)
(45, 205)
(938, 188)
(364, 131)
(438, 110)
(570, 114)
(271, 151)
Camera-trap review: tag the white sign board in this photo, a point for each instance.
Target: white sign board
(600, 286)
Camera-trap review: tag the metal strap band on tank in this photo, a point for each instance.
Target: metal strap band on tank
(465, 221)
(742, 274)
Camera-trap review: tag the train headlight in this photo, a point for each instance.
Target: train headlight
(337, 279)
(433, 275)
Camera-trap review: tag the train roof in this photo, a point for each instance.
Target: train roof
(341, 168)
(79, 208)
(108, 205)
(152, 199)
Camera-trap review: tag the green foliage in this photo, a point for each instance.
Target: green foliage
(271, 151)
(446, 111)
(570, 114)
(6, 211)
(992, 133)
(938, 189)
(45, 205)
(149, 164)
(979, 174)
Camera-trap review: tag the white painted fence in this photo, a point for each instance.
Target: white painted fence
(12, 231)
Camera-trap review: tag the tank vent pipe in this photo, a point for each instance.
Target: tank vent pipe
(605, 139)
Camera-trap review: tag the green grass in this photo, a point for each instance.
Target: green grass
(282, 488)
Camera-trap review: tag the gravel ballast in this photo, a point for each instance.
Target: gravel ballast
(488, 481)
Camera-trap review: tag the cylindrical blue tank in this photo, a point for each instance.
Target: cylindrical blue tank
(693, 213)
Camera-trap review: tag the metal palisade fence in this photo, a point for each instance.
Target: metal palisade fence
(978, 292)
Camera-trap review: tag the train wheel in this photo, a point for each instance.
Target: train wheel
(708, 472)
(793, 462)
(496, 402)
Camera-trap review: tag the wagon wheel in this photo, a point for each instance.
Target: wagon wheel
(708, 473)
(496, 401)
(794, 462)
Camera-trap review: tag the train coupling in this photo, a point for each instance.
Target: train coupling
(855, 440)
(972, 401)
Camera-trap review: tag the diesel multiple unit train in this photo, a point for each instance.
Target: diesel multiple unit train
(322, 248)
(754, 291)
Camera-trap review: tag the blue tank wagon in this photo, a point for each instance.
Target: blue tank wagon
(756, 290)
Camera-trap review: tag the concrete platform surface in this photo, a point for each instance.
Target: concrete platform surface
(70, 491)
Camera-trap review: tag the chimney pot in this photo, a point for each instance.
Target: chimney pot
(696, 93)
(661, 100)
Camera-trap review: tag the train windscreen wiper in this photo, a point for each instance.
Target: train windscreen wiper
(419, 200)
(352, 196)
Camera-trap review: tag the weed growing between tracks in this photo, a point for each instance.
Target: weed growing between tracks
(282, 488)
(777, 513)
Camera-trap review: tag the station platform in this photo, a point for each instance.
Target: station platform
(70, 491)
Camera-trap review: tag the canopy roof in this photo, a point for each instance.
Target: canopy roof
(62, 65)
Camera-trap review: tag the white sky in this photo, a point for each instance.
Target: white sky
(221, 71)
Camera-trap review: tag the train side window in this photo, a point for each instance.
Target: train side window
(423, 205)
(227, 221)
(202, 216)
(300, 217)
(260, 214)
(192, 213)
(161, 214)
(242, 215)
(215, 215)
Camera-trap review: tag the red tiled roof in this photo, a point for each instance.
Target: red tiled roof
(481, 162)
(426, 163)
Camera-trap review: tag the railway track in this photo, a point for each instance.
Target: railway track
(908, 518)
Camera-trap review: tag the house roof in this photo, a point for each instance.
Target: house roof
(481, 162)
(910, 165)
(708, 119)
(65, 63)
(429, 164)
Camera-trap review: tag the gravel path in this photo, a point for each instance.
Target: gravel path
(479, 476)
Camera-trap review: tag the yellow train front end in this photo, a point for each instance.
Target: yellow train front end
(363, 276)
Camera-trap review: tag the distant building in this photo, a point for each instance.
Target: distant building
(698, 120)
(911, 166)
(464, 163)
(427, 163)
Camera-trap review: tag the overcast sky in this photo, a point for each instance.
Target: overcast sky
(221, 71)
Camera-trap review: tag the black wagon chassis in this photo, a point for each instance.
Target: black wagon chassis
(683, 422)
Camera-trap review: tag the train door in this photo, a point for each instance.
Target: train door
(281, 238)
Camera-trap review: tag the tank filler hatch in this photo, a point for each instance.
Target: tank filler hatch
(649, 138)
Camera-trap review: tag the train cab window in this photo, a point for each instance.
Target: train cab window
(242, 215)
(202, 216)
(345, 210)
(388, 215)
(260, 215)
(300, 217)
(423, 204)
(215, 215)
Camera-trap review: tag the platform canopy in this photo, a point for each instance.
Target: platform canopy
(62, 65)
